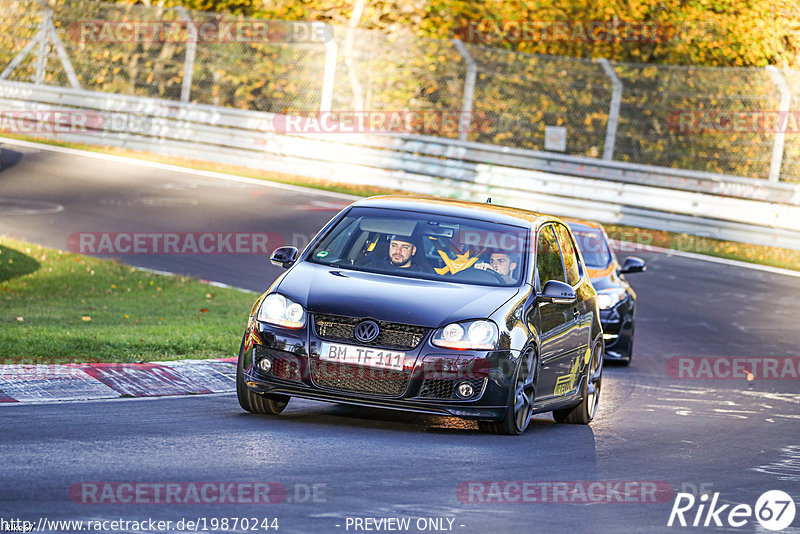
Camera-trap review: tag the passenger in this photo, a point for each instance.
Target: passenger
(503, 263)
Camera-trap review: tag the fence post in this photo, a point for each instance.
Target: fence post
(44, 49)
(613, 110)
(328, 77)
(191, 50)
(21, 56)
(783, 116)
(469, 91)
(46, 34)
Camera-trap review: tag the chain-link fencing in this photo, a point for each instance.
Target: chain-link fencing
(735, 121)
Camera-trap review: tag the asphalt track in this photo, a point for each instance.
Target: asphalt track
(730, 436)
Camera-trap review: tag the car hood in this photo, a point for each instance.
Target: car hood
(321, 289)
(606, 278)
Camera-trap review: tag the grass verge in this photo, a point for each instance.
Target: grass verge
(732, 250)
(763, 255)
(59, 307)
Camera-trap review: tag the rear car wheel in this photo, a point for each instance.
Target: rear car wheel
(584, 412)
(253, 402)
(520, 403)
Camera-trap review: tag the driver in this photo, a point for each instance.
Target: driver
(401, 252)
(502, 263)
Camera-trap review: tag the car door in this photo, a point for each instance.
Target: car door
(582, 315)
(551, 320)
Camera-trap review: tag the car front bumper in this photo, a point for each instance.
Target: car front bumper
(427, 383)
(617, 325)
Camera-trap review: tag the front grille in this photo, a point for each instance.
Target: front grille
(393, 335)
(359, 379)
(438, 388)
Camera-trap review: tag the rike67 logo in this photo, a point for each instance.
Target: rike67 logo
(774, 510)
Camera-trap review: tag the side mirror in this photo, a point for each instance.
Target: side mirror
(557, 292)
(284, 257)
(632, 264)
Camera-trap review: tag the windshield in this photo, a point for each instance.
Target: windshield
(593, 246)
(422, 245)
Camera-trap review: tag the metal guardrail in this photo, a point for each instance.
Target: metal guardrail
(724, 207)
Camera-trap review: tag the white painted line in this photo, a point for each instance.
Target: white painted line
(177, 168)
(211, 283)
(48, 383)
(117, 399)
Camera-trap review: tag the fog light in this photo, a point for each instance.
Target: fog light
(264, 365)
(465, 390)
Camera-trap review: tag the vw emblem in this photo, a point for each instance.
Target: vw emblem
(367, 331)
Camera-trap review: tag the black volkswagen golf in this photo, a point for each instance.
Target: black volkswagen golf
(433, 306)
(615, 296)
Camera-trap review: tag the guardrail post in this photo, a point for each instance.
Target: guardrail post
(613, 111)
(783, 116)
(469, 90)
(191, 50)
(331, 52)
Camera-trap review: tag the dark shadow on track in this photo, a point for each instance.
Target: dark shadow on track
(9, 158)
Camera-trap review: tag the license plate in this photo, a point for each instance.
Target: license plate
(352, 354)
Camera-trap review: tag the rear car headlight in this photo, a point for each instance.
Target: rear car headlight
(282, 311)
(608, 298)
(475, 335)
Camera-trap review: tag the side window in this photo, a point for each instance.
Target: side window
(570, 256)
(548, 257)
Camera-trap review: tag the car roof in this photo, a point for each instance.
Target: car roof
(579, 222)
(459, 208)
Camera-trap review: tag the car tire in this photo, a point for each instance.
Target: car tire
(253, 402)
(584, 412)
(521, 397)
(626, 361)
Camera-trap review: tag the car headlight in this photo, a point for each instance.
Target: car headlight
(282, 311)
(475, 335)
(608, 298)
